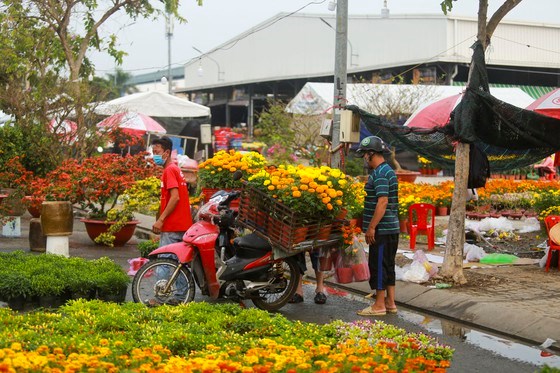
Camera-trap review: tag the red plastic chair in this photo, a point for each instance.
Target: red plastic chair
(550, 221)
(421, 221)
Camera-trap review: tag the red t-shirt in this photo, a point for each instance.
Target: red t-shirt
(180, 218)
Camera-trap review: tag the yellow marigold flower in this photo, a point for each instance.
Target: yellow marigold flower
(329, 206)
(296, 193)
(271, 187)
(232, 169)
(313, 185)
(303, 187)
(266, 182)
(311, 190)
(332, 193)
(326, 200)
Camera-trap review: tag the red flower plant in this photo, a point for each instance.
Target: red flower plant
(96, 183)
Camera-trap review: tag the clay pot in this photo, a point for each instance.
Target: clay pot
(403, 225)
(96, 227)
(57, 218)
(441, 210)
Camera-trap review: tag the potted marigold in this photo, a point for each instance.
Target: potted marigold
(217, 172)
(297, 197)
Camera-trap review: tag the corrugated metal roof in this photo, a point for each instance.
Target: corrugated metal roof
(155, 76)
(534, 91)
(302, 46)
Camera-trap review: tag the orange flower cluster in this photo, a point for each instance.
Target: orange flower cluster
(309, 190)
(266, 356)
(503, 186)
(349, 231)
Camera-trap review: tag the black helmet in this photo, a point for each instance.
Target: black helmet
(372, 144)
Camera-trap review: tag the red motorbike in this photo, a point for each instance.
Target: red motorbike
(222, 265)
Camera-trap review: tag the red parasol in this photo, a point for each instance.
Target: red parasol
(548, 104)
(132, 122)
(435, 114)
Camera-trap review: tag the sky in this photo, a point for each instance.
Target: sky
(218, 21)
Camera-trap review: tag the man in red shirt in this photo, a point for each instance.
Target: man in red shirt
(175, 212)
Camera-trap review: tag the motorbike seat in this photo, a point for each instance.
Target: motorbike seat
(252, 241)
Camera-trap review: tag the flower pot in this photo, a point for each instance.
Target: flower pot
(289, 235)
(441, 210)
(96, 227)
(300, 234)
(407, 176)
(37, 240)
(361, 272)
(262, 220)
(324, 232)
(344, 275)
(34, 206)
(403, 225)
(57, 218)
(342, 214)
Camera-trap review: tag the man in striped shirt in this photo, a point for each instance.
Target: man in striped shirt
(381, 225)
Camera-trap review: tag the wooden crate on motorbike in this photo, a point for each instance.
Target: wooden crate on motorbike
(288, 230)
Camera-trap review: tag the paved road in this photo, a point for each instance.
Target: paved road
(468, 356)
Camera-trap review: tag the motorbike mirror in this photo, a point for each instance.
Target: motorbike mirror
(237, 175)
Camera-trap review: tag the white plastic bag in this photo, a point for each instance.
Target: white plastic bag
(421, 258)
(417, 273)
(473, 253)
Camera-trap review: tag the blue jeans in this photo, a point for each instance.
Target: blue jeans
(167, 238)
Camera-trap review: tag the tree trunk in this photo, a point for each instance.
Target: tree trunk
(453, 259)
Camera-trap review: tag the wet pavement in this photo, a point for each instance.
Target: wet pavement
(521, 306)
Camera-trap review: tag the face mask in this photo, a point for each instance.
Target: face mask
(158, 159)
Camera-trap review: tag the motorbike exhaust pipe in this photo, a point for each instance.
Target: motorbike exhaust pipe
(257, 285)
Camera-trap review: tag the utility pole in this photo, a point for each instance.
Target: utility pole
(339, 77)
(169, 34)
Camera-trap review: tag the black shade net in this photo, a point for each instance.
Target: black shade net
(511, 137)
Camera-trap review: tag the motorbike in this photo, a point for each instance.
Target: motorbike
(221, 265)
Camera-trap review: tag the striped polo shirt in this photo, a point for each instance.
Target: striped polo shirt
(382, 182)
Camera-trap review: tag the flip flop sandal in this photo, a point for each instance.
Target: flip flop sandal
(368, 311)
(391, 310)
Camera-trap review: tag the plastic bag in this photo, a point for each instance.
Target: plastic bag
(327, 257)
(416, 273)
(343, 272)
(421, 258)
(498, 259)
(135, 264)
(360, 268)
(473, 253)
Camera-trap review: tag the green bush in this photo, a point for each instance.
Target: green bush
(35, 148)
(147, 246)
(23, 274)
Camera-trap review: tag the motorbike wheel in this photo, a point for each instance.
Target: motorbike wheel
(149, 284)
(286, 274)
